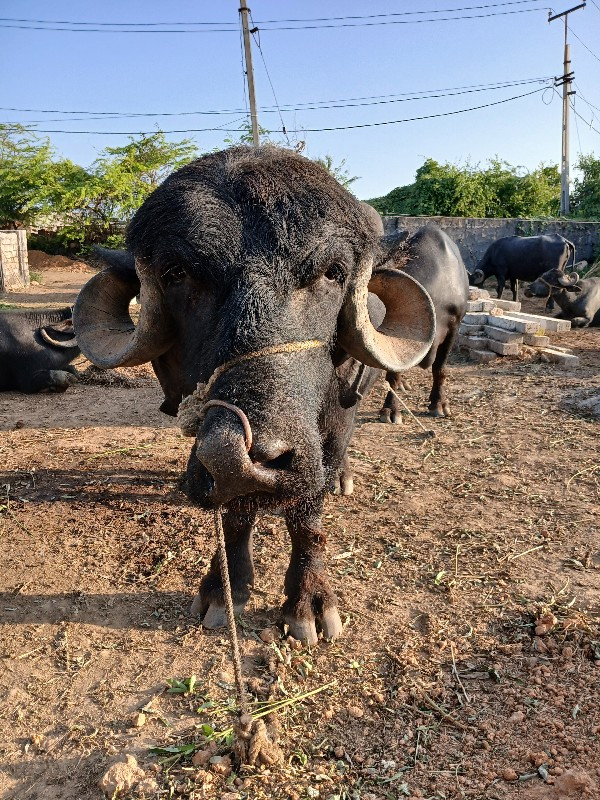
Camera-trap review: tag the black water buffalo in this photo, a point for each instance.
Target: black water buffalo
(578, 298)
(36, 350)
(433, 259)
(522, 258)
(256, 274)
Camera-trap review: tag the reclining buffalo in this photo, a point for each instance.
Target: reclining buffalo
(260, 277)
(578, 298)
(522, 258)
(36, 350)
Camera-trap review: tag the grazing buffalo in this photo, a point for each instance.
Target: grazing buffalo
(36, 349)
(578, 298)
(257, 284)
(433, 259)
(522, 258)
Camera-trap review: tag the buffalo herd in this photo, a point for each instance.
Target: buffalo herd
(272, 298)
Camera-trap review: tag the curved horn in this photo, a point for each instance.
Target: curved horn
(105, 331)
(406, 334)
(56, 342)
(569, 280)
(478, 276)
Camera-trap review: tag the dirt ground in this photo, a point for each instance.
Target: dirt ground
(466, 567)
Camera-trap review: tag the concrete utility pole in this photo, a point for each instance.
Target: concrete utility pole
(249, 72)
(565, 81)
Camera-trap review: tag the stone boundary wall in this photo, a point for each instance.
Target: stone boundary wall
(474, 236)
(14, 268)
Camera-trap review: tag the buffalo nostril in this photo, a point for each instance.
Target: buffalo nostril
(275, 454)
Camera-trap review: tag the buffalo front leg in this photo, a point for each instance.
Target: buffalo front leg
(343, 482)
(310, 603)
(391, 406)
(209, 603)
(514, 287)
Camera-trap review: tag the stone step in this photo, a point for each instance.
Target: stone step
(472, 342)
(482, 356)
(503, 335)
(504, 348)
(563, 359)
(512, 323)
(507, 305)
(469, 330)
(474, 318)
(475, 293)
(546, 323)
(536, 340)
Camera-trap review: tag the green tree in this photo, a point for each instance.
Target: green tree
(339, 171)
(498, 190)
(585, 198)
(96, 204)
(30, 177)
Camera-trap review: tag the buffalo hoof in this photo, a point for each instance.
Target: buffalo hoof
(346, 485)
(388, 415)
(305, 630)
(215, 616)
(330, 623)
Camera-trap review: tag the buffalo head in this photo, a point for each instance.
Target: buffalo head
(553, 280)
(235, 255)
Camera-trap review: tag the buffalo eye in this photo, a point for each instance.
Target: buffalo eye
(335, 273)
(173, 274)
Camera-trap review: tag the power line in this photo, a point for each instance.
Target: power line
(279, 27)
(577, 114)
(315, 105)
(257, 41)
(587, 102)
(583, 43)
(273, 21)
(305, 130)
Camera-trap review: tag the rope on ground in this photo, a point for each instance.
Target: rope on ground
(429, 432)
(252, 744)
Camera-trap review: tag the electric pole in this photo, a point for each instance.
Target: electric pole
(565, 81)
(249, 72)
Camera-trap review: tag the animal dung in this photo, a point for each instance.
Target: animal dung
(492, 328)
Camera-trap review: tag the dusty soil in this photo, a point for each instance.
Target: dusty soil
(450, 555)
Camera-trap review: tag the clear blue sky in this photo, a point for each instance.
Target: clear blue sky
(176, 72)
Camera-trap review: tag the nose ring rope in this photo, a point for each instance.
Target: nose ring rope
(251, 741)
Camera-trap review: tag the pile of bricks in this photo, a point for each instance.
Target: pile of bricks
(493, 328)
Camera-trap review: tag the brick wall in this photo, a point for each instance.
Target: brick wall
(474, 236)
(14, 269)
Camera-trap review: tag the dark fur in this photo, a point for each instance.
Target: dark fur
(28, 363)
(241, 242)
(579, 303)
(434, 260)
(523, 258)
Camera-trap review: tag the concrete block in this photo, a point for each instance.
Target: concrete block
(504, 348)
(563, 359)
(472, 318)
(546, 323)
(472, 342)
(474, 305)
(482, 356)
(503, 335)
(508, 305)
(470, 330)
(488, 305)
(536, 340)
(475, 293)
(511, 323)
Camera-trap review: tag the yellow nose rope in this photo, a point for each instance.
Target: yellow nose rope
(193, 406)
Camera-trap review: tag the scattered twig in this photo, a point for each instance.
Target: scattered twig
(593, 468)
(439, 710)
(455, 673)
(518, 555)
(120, 450)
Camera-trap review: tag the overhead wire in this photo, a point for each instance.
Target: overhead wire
(257, 42)
(356, 102)
(278, 27)
(583, 43)
(274, 21)
(307, 130)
